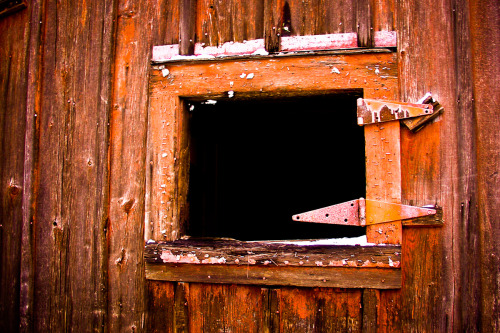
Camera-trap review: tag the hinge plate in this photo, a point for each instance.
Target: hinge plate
(372, 111)
(363, 212)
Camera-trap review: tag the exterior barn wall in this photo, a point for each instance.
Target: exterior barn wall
(74, 165)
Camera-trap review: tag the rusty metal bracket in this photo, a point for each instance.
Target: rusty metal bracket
(415, 124)
(362, 212)
(374, 111)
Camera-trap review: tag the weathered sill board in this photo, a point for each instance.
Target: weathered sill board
(334, 277)
(237, 253)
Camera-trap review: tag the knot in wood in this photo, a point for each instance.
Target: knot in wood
(14, 190)
(127, 205)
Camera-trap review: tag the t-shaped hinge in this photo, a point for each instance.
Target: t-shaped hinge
(363, 212)
(372, 111)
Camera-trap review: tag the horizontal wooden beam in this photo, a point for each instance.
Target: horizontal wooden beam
(383, 39)
(273, 254)
(278, 75)
(334, 277)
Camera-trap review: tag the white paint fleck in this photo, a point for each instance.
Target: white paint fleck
(243, 75)
(231, 83)
(335, 70)
(391, 263)
(165, 72)
(163, 185)
(377, 71)
(230, 93)
(191, 108)
(210, 102)
(250, 76)
(164, 155)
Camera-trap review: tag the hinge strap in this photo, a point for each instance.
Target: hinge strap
(372, 111)
(363, 212)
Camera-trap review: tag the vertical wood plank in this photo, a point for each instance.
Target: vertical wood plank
(383, 12)
(33, 97)
(134, 39)
(272, 24)
(219, 308)
(229, 20)
(271, 310)
(418, 74)
(383, 176)
(187, 27)
(160, 314)
(422, 252)
(370, 310)
(485, 33)
(181, 307)
(13, 103)
(364, 18)
(71, 209)
(320, 310)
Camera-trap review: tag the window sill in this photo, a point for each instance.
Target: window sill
(271, 263)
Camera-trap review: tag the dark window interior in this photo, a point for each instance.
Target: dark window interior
(255, 163)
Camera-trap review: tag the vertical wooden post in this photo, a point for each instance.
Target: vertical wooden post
(270, 307)
(181, 308)
(370, 304)
(272, 25)
(364, 23)
(383, 176)
(187, 27)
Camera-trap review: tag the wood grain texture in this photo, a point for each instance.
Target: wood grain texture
(161, 297)
(371, 299)
(128, 121)
(72, 167)
(229, 21)
(272, 254)
(14, 86)
(320, 310)
(55, 52)
(273, 21)
(336, 277)
(485, 66)
(443, 173)
(222, 308)
(271, 310)
(187, 21)
(33, 97)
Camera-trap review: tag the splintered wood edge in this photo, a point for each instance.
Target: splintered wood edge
(332, 277)
(236, 253)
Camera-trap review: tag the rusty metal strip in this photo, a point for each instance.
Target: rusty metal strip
(382, 212)
(346, 213)
(374, 111)
(363, 212)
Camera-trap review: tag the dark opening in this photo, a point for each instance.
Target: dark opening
(255, 163)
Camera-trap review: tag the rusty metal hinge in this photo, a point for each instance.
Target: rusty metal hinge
(362, 212)
(372, 111)
(414, 116)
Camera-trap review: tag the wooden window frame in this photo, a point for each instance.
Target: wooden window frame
(374, 72)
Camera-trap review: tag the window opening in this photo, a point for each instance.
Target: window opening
(256, 162)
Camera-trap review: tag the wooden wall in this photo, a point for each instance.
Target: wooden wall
(73, 119)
